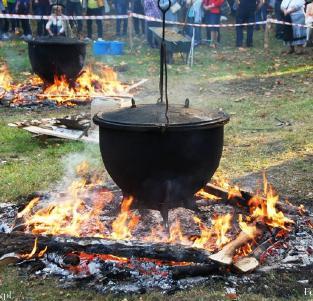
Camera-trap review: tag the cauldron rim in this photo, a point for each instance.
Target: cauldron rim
(221, 119)
(64, 41)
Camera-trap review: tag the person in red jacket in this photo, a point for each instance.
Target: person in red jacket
(212, 16)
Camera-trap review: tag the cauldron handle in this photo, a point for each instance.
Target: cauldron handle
(163, 64)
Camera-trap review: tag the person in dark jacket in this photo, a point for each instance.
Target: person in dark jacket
(75, 8)
(23, 8)
(94, 8)
(139, 24)
(41, 8)
(246, 10)
(279, 32)
(121, 8)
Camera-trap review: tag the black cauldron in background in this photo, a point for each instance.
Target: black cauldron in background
(56, 56)
(161, 165)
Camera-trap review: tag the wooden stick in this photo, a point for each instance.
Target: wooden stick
(267, 33)
(130, 30)
(141, 82)
(247, 264)
(225, 256)
(22, 243)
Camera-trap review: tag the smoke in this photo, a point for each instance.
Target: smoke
(91, 155)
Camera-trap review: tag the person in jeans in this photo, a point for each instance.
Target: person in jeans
(261, 14)
(212, 9)
(41, 8)
(295, 9)
(23, 8)
(194, 16)
(246, 10)
(74, 8)
(137, 8)
(151, 10)
(279, 30)
(95, 8)
(11, 5)
(121, 8)
(4, 23)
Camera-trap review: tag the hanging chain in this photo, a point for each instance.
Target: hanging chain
(163, 63)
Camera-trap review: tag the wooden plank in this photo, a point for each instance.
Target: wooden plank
(61, 133)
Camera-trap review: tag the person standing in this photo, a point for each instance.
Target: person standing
(246, 10)
(279, 30)
(75, 8)
(121, 8)
(194, 16)
(294, 36)
(212, 9)
(4, 23)
(137, 8)
(261, 14)
(23, 8)
(95, 8)
(11, 5)
(41, 8)
(151, 10)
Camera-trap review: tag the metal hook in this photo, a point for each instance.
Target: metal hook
(164, 10)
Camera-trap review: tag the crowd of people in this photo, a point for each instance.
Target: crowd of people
(186, 11)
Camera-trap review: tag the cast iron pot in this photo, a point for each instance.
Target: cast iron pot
(161, 165)
(61, 56)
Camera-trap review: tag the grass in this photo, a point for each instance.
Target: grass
(255, 87)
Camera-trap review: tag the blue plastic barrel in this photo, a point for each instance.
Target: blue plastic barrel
(117, 48)
(101, 47)
(108, 48)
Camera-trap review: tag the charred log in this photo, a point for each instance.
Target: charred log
(21, 243)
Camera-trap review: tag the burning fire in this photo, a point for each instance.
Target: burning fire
(90, 84)
(87, 85)
(215, 237)
(264, 209)
(77, 212)
(5, 78)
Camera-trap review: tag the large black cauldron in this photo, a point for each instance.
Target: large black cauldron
(161, 165)
(61, 56)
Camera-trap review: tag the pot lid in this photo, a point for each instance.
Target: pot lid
(152, 116)
(58, 40)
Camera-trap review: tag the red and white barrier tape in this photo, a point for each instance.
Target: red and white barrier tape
(147, 18)
(37, 17)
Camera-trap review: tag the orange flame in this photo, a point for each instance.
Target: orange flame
(125, 222)
(33, 251)
(215, 237)
(87, 85)
(70, 214)
(265, 209)
(5, 78)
